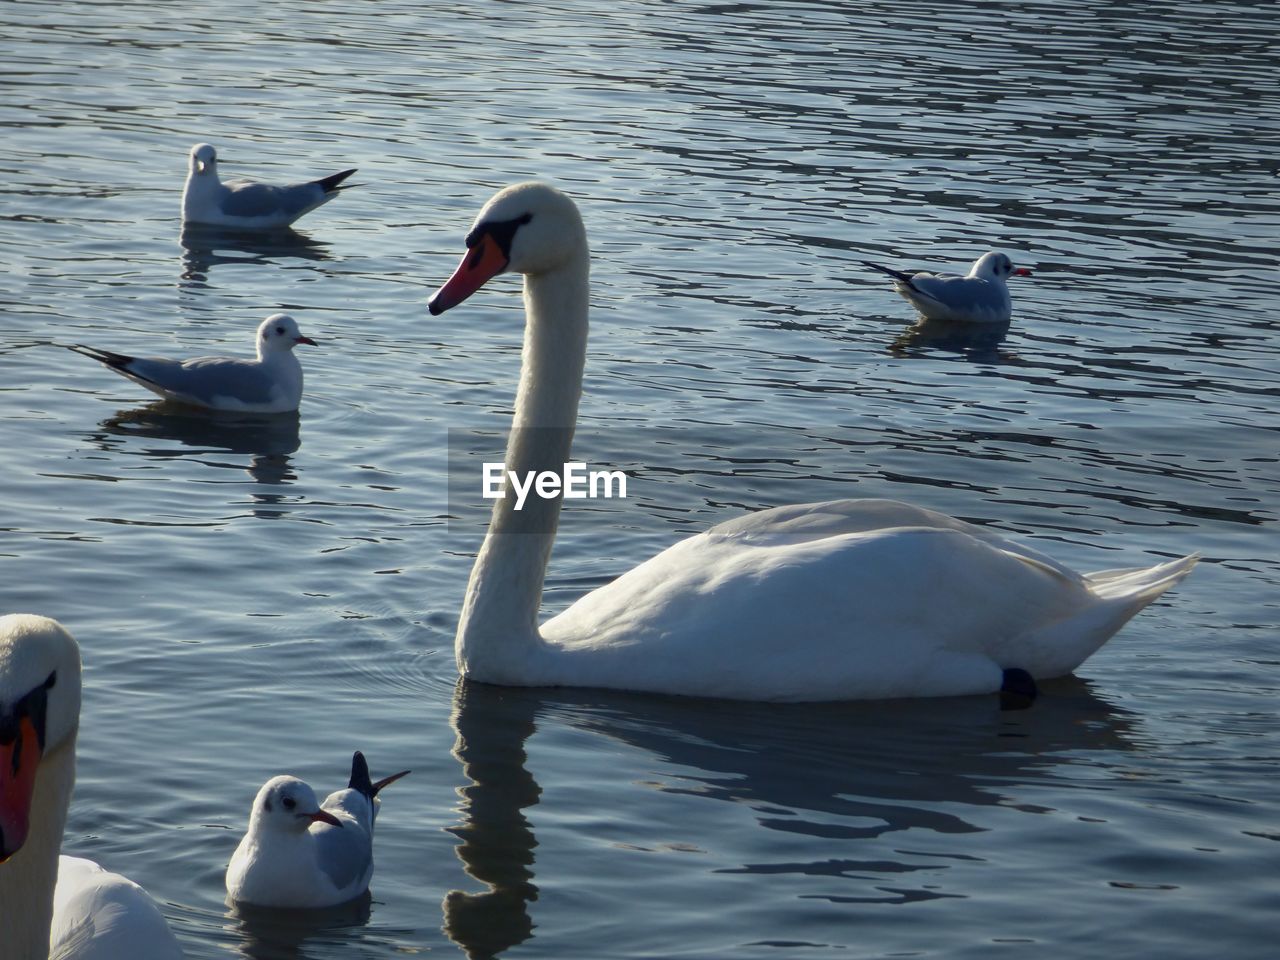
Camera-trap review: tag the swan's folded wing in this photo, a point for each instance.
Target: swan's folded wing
(802, 522)
(99, 915)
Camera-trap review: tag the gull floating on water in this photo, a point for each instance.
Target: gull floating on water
(981, 296)
(270, 384)
(301, 853)
(245, 204)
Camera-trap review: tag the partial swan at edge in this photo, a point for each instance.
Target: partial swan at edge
(50, 905)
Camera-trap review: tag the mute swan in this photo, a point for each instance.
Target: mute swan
(823, 601)
(51, 906)
(245, 205)
(981, 296)
(301, 853)
(270, 384)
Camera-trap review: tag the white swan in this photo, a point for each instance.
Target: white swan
(51, 906)
(824, 601)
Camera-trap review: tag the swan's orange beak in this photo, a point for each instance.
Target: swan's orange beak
(19, 760)
(484, 261)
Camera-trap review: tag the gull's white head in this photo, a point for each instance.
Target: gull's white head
(39, 712)
(530, 228)
(204, 161)
(287, 805)
(279, 333)
(996, 266)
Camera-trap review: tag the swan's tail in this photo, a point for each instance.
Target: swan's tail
(1142, 585)
(1063, 645)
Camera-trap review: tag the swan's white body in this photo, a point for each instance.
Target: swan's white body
(823, 601)
(301, 853)
(52, 906)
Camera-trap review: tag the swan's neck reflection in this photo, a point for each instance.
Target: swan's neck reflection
(492, 725)
(834, 786)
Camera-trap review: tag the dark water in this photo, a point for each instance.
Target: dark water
(254, 597)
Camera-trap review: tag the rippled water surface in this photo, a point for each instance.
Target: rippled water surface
(259, 596)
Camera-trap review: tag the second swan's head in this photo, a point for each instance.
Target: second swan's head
(529, 228)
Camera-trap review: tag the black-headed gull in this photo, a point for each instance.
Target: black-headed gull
(244, 204)
(301, 853)
(980, 296)
(51, 905)
(270, 384)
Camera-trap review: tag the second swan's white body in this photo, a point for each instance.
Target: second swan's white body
(824, 601)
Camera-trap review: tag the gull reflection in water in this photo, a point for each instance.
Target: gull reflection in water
(203, 435)
(830, 772)
(204, 247)
(262, 933)
(979, 342)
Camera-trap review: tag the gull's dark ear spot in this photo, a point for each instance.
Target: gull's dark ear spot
(266, 805)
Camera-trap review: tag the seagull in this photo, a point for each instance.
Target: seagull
(301, 853)
(244, 204)
(979, 297)
(270, 384)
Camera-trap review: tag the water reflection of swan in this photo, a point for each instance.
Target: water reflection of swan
(835, 772)
(268, 439)
(204, 247)
(491, 727)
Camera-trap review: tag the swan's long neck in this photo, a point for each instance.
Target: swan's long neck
(499, 623)
(27, 880)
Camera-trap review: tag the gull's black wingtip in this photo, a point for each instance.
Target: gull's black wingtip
(331, 183)
(888, 271)
(116, 361)
(360, 777)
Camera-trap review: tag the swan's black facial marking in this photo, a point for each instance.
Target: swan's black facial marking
(501, 232)
(35, 707)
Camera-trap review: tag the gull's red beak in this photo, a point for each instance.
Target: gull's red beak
(306, 340)
(484, 261)
(323, 816)
(1021, 272)
(19, 759)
